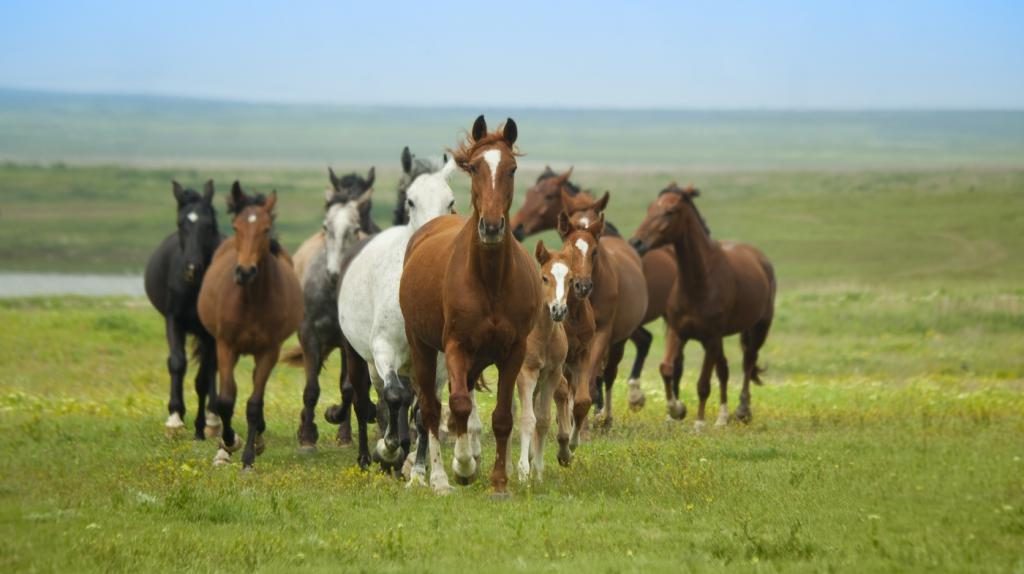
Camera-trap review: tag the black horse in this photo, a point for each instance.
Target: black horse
(174, 275)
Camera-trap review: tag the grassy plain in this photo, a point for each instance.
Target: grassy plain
(888, 437)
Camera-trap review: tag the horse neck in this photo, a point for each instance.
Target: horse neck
(266, 278)
(488, 264)
(580, 312)
(693, 250)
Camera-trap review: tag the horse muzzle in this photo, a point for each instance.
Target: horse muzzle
(192, 272)
(558, 311)
(583, 287)
(639, 246)
(491, 233)
(244, 274)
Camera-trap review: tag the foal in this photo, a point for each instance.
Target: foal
(174, 275)
(546, 349)
(723, 288)
(251, 302)
(472, 292)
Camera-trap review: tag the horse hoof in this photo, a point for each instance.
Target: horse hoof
(344, 435)
(677, 410)
(416, 479)
(441, 488)
(211, 432)
(565, 459)
(501, 496)
(466, 480)
(307, 449)
(247, 470)
(335, 415)
(698, 426)
(222, 457)
(260, 444)
(637, 399)
(744, 415)
(238, 444)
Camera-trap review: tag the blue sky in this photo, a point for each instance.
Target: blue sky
(729, 54)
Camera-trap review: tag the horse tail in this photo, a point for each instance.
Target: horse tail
(293, 357)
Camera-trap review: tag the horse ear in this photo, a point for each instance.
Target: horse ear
(328, 195)
(208, 191)
(371, 176)
(448, 167)
(179, 192)
(597, 228)
(406, 160)
(541, 253)
(511, 132)
(602, 203)
(479, 128)
(691, 191)
(564, 226)
(444, 158)
(334, 178)
(237, 197)
(271, 202)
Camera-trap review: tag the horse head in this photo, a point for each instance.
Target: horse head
(542, 203)
(253, 224)
(670, 217)
(583, 242)
(429, 196)
(342, 225)
(490, 161)
(556, 273)
(353, 186)
(197, 229)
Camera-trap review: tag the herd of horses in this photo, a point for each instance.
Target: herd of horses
(434, 300)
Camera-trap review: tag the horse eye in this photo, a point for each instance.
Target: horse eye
(471, 169)
(410, 203)
(545, 278)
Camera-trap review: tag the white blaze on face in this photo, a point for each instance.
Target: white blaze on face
(585, 222)
(493, 158)
(559, 271)
(252, 218)
(192, 217)
(583, 246)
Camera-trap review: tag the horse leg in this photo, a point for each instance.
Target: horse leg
(751, 341)
(526, 383)
(563, 416)
(177, 362)
(254, 441)
(475, 427)
(722, 370)
(427, 378)
(391, 392)
(671, 370)
(359, 378)
(312, 362)
(582, 400)
(501, 418)
(418, 472)
(207, 423)
(548, 382)
(712, 349)
(224, 405)
(642, 341)
(461, 404)
(404, 432)
(611, 370)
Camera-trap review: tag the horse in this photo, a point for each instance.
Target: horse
(174, 274)
(619, 297)
(251, 301)
(320, 331)
(470, 291)
(539, 212)
(345, 188)
(371, 318)
(412, 167)
(723, 288)
(546, 349)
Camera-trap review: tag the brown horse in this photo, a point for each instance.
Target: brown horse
(539, 212)
(470, 291)
(723, 288)
(250, 302)
(619, 297)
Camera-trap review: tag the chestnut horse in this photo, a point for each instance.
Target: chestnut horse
(471, 291)
(250, 302)
(539, 212)
(619, 298)
(723, 289)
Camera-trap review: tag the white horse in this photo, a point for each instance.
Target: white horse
(371, 318)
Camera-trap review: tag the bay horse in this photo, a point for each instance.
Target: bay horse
(470, 291)
(619, 297)
(723, 288)
(174, 274)
(349, 187)
(539, 212)
(250, 302)
(371, 318)
(546, 349)
(320, 331)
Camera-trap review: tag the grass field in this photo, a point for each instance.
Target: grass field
(888, 437)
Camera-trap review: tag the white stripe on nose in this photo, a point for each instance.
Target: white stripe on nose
(559, 270)
(583, 246)
(493, 159)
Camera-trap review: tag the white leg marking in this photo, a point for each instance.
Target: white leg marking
(723, 415)
(174, 421)
(493, 159)
(438, 477)
(221, 458)
(526, 384)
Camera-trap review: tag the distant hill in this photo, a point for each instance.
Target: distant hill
(148, 130)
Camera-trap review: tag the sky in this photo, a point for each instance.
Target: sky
(822, 54)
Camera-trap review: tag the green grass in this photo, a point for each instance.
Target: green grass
(888, 437)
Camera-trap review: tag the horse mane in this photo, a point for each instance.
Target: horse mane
(687, 194)
(549, 173)
(468, 148)
(351, 180)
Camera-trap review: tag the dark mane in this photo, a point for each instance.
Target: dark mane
(248, 200)
(687, 194)
(548, 173)
(468, 148)
(352, 180)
